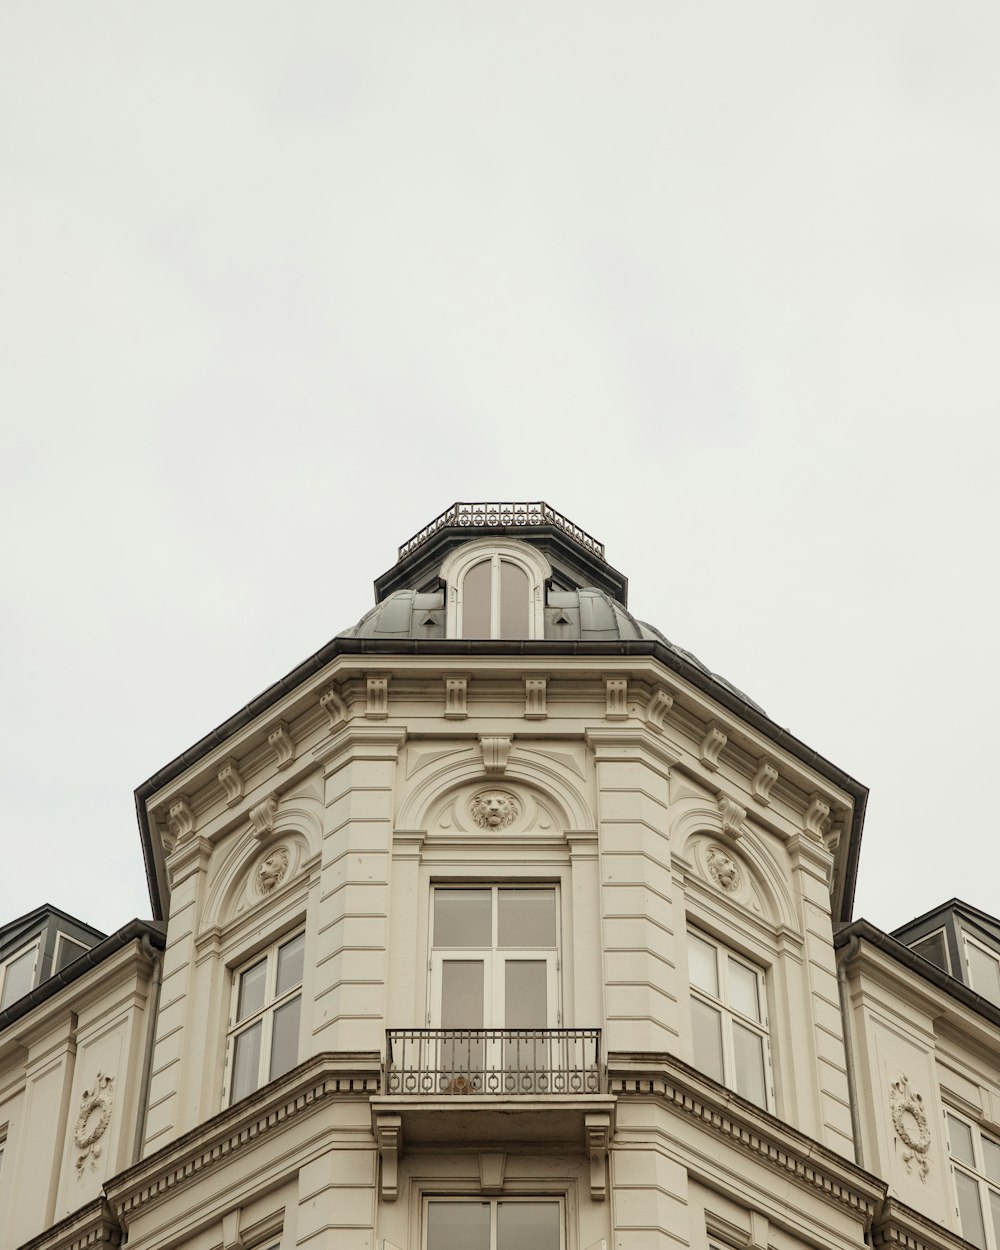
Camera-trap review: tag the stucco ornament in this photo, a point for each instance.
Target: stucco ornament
(272, 870)
(92, 1120)
(909, 1119)
(724, 870)
(494, 809)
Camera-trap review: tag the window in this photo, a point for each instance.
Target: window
(264, 1030)
(495, 600)
(67, 949)
(729, 1019)
(17, 975)
(933, 947)
(975, 1168)
(984, 969)
(497, 1224)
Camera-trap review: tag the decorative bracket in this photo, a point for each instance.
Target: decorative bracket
(456, 694)
(180, 819)
(534, 698)
(377, 685)
(597, 1133)
(711, 747)
(232, 782)
(334, 706)
(262, 817)
(495, 753)
(282, 744)
(389, 1137)
(762, 781)
(491, 1170)
(659, 706)
(616, 698)
(816, 819)
(732, 815)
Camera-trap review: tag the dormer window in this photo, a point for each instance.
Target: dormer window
(496, 590)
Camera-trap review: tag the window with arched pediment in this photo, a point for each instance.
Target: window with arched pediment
(496, 589)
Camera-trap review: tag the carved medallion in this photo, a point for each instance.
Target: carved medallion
(272, 870)
(724, 870)
(909, 1119)
(494, 809)
(92, 1120)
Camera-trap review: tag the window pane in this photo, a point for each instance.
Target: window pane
(68, 951)
(252, 984)
(476, 601)
(934, 949)
(18, 976)
(525, 994)
(748, 1053)
(246, 1063)
(743, 990)
(995, 1214)
(514, 591)
(969, 1210)
(991, 1160)
(527, 1226)
(462, 983)
(285, 1037)
(702, 966)
(527, 919)
(463, 918)
(960, 1137)
(458, 1226)
(985, 972)
(290, 964)
(707, 1038)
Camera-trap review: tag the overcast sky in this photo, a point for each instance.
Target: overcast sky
(281, 281)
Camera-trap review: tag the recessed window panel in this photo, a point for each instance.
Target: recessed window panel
(702, 965)
(970, 1211)
(960, 1139)
(748, 1056)
(253, 983)
(528, 1225)
(934, 949)
(462, 984)
(458, 1226)
(526, 919)
(246, 1062)
(707, 1024)
(985, 971)
(514, 602)
(995, 1215)
(290, 964)
(526, 993)
(18, 976)
(743, 985)
(991, 1159)
(463, 919)
(476, 601)
(285, 1037)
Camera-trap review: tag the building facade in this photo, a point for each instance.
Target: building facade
(503, 922)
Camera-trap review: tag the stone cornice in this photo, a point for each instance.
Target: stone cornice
(899, 1225)
(91, 1225)
(666, 1078)
(299, 1092)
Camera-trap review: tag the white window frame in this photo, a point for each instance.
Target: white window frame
(977, 1173)
(272, 1003)
(468, 555)
(985, 949)
(65, 939)
(729, 1014)
(12, 958)
(493, 1202)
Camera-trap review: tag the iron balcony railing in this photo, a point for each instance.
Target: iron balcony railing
(490, 515)
(493, 1061)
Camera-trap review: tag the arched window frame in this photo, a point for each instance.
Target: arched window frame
(531, 562)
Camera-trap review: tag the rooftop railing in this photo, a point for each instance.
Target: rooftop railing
(491, 515)
(433, 1062)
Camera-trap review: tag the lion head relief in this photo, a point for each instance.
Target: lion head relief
(494, 809)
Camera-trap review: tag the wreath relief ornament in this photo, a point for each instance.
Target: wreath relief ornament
(494, 809)
(92, 1120)
(909, 1119)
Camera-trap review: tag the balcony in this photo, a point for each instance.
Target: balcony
(466, 1062)
(487, 1089)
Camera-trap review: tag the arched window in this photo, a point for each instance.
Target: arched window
(495, 590)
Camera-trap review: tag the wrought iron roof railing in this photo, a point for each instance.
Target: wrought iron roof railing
(493, 1061)
(490, 515)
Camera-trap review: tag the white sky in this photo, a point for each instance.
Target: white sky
(281, 281)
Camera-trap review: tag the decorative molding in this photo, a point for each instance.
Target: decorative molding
(732, 815)
(231, 1237)
(262, 817)
(389, 1138)
(92, 1120)
(909, 1119)
(534, 698)
(456, 691)
(232, 782)
(494, 809)
(597, 1134)
(377, 687)
(659, 706)
(282, 744)
(495, 753)
(724, 870)
(180, 819)
(334, 706)
(491, 1169)
(271, 870)
(817, 816)
(711, 747)
(616, 698)
(762, 782)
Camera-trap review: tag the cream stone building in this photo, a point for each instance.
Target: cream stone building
(501, 923)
